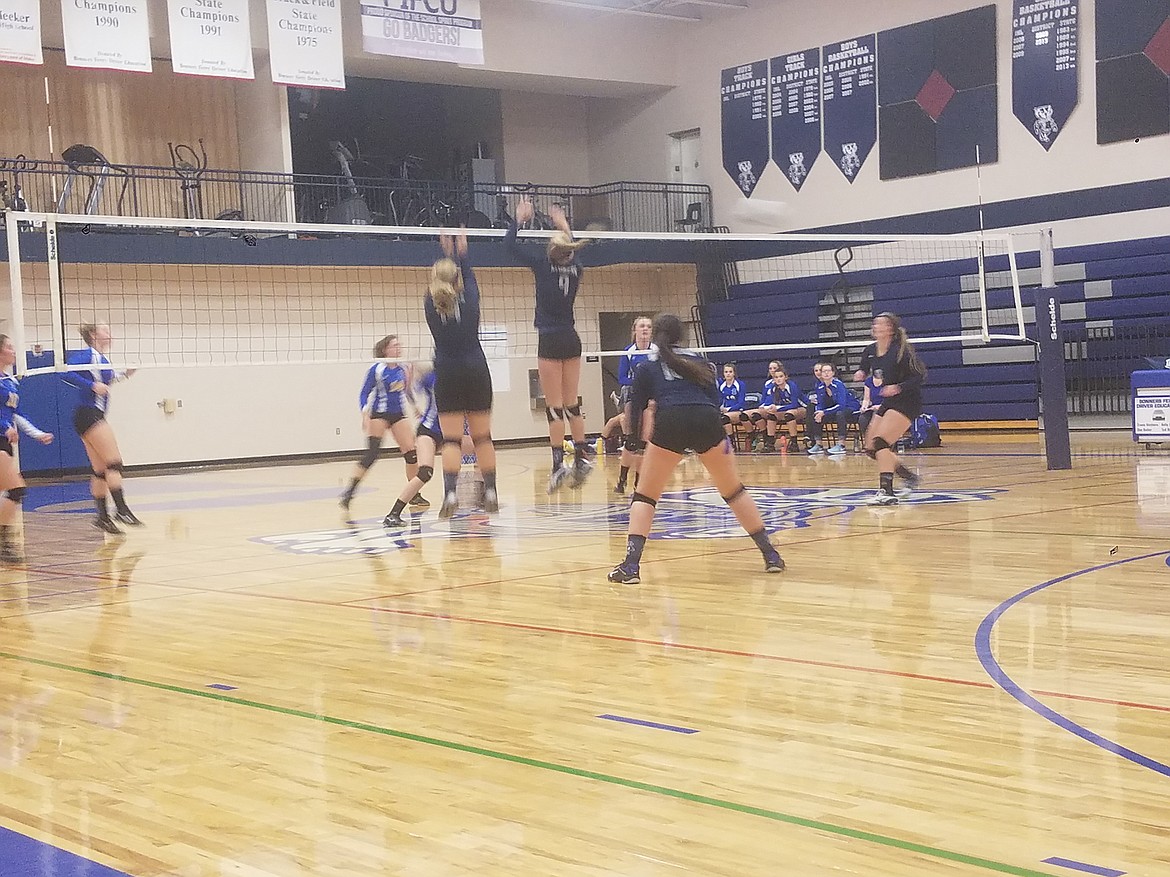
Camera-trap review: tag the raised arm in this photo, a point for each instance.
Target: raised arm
(519, 252)
(557, 214)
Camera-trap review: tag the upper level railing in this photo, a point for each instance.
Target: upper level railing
(143, 190)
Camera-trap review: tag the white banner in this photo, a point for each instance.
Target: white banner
(304, 42)
(436, 30)
(210, 38)
(106, 33)
(20, 31)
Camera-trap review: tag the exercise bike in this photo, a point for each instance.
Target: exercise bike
(351, 209)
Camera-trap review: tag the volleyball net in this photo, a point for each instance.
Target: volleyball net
(180, 294)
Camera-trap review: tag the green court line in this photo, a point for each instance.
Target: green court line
(776, 816)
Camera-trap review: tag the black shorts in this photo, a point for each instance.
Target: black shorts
(687, 427)
(391, 417)
(5, 445)
(86, 418)
(560, 345)
(463, 389)
(907, 404)
(433, 434)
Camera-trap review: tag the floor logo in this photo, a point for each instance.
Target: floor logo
(699, 513)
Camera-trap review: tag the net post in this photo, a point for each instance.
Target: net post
(16, 290)
(1053, 395)
(1019, 302)
(55, 308)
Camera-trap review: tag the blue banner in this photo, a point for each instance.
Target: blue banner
(796, 113)
(850, 96)
(1044, 65)
(744, 103)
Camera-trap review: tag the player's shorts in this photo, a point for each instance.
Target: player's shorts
(463, 389)
(909, 405)
(86, 418)
(5, 445)
(390, 417)
(694, 427)
(560, 345)
(433, 434)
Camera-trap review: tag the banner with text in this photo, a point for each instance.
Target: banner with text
(850, 95)
(211, 38)
(435, 30)
(106, 34)
(1044, 65)
(20, 32)
(304, 43)
(744, 122)
(796, 113)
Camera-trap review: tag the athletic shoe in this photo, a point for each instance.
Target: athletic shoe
(836, 449)
(773, 562)
(620, 488)
(558, 479)
(491, 502)
(128, 518)
(816, 449)
(394, 522)
(107, 526)
(908, 487)
(882, 498)
(346, 499)
(449, 507)
(793, 446)
(624, 575)
(580, 472)
(418, 501)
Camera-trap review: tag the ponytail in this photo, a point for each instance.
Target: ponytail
(906, 351)
(667, 333)
(445, 287)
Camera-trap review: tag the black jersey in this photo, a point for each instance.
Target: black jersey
(892, 369)
(457, 337)
(556, 285)
(657, 382)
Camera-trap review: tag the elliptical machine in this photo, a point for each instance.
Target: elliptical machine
(351, 209)
(190, 166)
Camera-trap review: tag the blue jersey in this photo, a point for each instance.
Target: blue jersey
(789, 397)
(383, 389)
(556, 285)
(101, 372)
(834, 397)
(656, 382)
(768, 394)
(457, 337)
(9, 401)
(875, 391)
(733, 395)
(425, 396)
(629, 361)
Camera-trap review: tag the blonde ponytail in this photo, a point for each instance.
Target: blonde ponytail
(445, 288)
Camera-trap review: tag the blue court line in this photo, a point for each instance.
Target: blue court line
(22, 856)
(219, 686)
(646, 724)
(1000, 677)
(1081, 866)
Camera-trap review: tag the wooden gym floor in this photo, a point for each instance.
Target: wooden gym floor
(975, 682)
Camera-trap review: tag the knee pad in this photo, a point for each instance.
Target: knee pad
(115, 466)
(724, 419)
(735, 495)
(872, 454)
(880, 444)
(484, 439)
(554, 414)
(573, 410)
(641, 497)
(369, 458)
(373, 443)
(17, 494)
(410, 456)
(100, 476)
(634, 445)
(426, 473)
(755, 417)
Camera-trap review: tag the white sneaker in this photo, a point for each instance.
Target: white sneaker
(580, 473)
(837, 449)
(558, 479)
(816, 449)
(882, 498)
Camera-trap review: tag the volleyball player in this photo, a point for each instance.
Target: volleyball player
(765, 412)
(382, 399)
(463, 384)
(733, 396)
(632, 445)
(558, 276)
(427, 440)
(893, 360)
(89, 419)
(11, 481)
(683, 386)
(834, 403)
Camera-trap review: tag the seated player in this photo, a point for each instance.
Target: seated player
(791, 405)
(733, 394)
(765, 412)
(836, 404)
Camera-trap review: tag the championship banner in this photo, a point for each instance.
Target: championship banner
(20, 31)
(211, 38)
(850, 101)
(433, 30)
(1044, 65)
(744, 119)
(304, 43)
(106, 34)
(796, 113)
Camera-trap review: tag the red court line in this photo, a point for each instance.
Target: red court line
(686, 647)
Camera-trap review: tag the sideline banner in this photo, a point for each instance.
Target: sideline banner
(433, 30)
